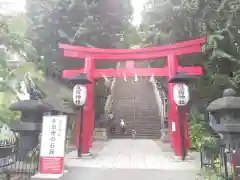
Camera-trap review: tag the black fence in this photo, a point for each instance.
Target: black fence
(218, 162)
(17, 163)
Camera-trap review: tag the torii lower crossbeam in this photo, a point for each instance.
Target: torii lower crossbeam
(145, 72)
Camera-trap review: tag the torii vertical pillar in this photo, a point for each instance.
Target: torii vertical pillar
(173, 115)
(88, 119)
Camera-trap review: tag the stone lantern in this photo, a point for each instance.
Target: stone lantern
(224, 117)
(30, 124)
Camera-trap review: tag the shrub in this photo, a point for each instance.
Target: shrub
(200, 136)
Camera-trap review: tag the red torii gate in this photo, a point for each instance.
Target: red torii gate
(90, 55)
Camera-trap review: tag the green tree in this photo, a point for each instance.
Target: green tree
(166, 22)
(80, 22)
(12, 36)
(17, 58)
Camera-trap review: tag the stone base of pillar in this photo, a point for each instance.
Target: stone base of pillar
(49, 176)
(100, 134)
(187, 158)
(86, 156)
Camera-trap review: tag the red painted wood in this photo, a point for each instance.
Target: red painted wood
(134, 51)
(172, 65)
(100, 73)
(118, 73)
(173, 114)
(88, 118)
(138, 56)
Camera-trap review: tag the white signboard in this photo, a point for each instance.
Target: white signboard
(173, 127)
(181, 94)
(79, 95)
(53, 136)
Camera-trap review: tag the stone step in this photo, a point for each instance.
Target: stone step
(154, 133)
(139, 117)
(119, 135)
(144, 123)
(149, 123)
(136, 104)
(138, 136)
(132, 112)
(143, 126)
(149, 108)
(137, 132)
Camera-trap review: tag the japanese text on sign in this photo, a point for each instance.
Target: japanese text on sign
(53, 135)
(53, 144)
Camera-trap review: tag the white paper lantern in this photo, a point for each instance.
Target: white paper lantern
(79, 95)
(181, 94)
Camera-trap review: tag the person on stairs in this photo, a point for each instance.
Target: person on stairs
(112, 123)
(122, 125)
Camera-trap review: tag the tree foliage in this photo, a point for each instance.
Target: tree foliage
(86, 23)
(80, 22)
(17, 58)
(171, 21)
(12, 36)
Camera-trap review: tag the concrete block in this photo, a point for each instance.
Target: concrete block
(100, 134)
(164, 135)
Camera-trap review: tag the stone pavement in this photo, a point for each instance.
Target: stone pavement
(127, 174)
(130, 159)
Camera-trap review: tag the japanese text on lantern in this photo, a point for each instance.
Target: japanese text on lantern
(181, 94)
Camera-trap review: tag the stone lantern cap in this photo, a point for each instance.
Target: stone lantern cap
(32, 105)
(224, 118)
(228, 101)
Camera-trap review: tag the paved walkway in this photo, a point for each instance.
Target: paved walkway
(130, 159)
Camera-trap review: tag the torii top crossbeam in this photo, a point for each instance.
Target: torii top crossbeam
(187, 47)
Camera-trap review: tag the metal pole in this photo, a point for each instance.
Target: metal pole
(183, 151)
(201, 157)
(225, 164)
(80, 132)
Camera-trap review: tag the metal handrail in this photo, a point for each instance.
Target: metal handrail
(161, 98)
(109, 102)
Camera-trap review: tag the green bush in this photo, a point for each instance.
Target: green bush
(200, 137)
(210, 174)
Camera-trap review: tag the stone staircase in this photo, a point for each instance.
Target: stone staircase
(136, 104)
